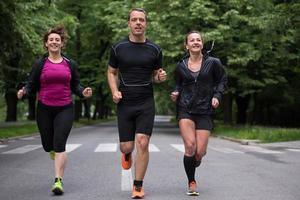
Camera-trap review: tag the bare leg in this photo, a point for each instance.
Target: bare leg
(60, 164)
(202, 137)
(188, 134)
(142, 156)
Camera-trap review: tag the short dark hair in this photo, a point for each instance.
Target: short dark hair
(60, 30)
(137, 9)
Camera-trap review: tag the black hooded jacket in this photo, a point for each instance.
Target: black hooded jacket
(33, 83)
(195, 94)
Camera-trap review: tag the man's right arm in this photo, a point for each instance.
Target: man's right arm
(112, 77)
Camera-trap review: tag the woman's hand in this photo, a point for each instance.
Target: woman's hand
(87, 92)
(21, 93)
(214, 102)
(174, 95)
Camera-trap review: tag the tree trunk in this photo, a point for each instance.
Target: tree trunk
(97, 109)
(257, 113)
(10, 73)
(78, 102)
(242, 106)
(227, 108)
(31, 107)
(77, 109)
(87, 108)
(11, 105)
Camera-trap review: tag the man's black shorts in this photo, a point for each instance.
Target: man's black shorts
(135, 118)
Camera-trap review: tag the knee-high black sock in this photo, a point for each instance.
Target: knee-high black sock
(197, 162)
(189, 166)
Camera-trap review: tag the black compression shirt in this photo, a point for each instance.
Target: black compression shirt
(136, 62)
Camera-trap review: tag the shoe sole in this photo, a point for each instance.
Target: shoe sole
(126, 168)
(192, 193)
(137, 197)
(57, 191)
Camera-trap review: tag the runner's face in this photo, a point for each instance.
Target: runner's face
(194, 43)
(54, 43)
(137, 23)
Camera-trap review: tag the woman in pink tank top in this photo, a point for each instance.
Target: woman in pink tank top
(55, 78)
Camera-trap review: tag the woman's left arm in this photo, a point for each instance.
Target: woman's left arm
(76, 86)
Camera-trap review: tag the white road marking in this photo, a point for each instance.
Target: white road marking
(126, 180)
(179, 147)
(295, 150)
(153, 148)
(72, 147)
(23, 149)
(3, 146)
(106, 147)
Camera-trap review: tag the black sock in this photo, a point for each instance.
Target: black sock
(197, 162)
(127, 156)
(138, 183)
(189, 166)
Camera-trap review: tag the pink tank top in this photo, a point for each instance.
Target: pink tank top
(55, 84)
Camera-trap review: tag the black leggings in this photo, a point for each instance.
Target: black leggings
(54, 124)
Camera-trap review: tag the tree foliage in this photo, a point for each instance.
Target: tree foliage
(257, 41)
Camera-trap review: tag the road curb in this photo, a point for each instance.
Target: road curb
(241, 141)
(17, 137)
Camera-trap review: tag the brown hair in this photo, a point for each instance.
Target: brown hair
(60, 30)
(137, 9)
(189, 33)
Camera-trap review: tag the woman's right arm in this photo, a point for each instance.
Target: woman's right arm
(31, 84)
(178, 82)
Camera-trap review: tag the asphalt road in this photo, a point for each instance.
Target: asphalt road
(230, 171)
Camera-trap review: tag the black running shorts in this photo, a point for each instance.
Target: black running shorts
(202, 122)
(135, 118)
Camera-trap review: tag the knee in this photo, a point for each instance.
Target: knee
(200, 154)
(190, 148)
(126, 147)
(142, 142)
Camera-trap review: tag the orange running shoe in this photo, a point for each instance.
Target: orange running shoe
(126, 161)
(137, 192)
(192, 191)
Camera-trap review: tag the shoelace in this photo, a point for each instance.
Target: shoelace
(138, 189)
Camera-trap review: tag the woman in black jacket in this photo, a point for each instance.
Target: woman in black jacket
(55, 78)
(200, 83)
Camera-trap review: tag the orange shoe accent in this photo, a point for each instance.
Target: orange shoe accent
(137, 192)
(126, 164)
(192, 191)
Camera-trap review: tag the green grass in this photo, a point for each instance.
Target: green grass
(86, 122)
(17, 130)
(30, 127)
(263, 134)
